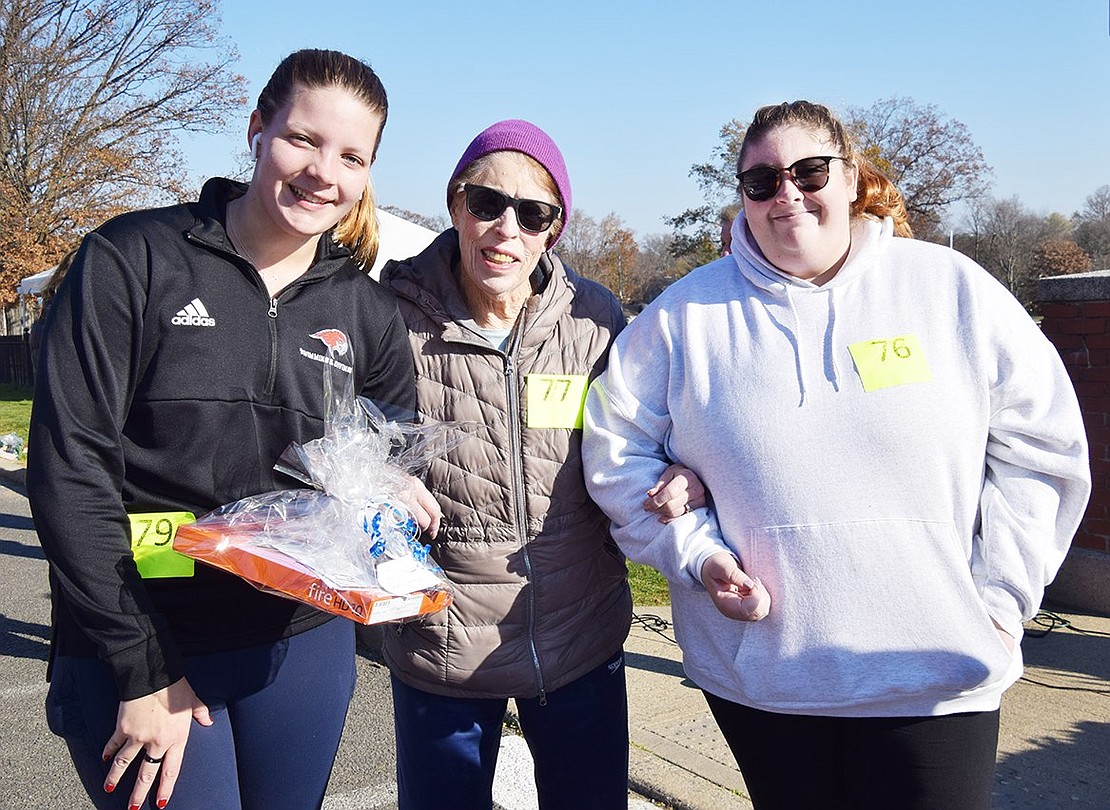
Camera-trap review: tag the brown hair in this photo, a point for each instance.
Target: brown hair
(876, 196)
(312, 68)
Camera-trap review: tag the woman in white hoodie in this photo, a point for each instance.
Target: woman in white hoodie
(897, 462)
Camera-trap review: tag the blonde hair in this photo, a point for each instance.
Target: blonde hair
(477, 167)
(876, 196)
(313, 68)
(359, 231)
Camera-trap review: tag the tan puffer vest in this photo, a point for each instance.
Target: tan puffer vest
(541, 589)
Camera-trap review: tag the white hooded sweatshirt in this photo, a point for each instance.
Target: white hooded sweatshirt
(898, 455)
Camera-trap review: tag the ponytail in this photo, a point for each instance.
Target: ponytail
(359, 230)
(876, 196)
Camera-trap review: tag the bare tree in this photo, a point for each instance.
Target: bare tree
(656, 268)
(931, 158)
(604, 251)
(696, 231)
(1092, 231)
(93, 97)
(1007, 240)
(438, 223)
(580, 245)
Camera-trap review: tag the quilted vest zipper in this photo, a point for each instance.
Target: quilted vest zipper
(512, 389)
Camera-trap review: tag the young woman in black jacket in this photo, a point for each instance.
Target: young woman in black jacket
(183, 353)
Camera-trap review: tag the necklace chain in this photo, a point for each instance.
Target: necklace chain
(239, 245)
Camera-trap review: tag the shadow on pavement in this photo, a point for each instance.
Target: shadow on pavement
(1067, 645)
(11, 548)
(1039, 776)
(23, 639)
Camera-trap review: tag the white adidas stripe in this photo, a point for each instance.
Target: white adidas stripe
(194, 314)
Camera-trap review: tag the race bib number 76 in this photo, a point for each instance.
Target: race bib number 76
(890, 361)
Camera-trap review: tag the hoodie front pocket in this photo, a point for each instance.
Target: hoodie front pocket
(865, 612)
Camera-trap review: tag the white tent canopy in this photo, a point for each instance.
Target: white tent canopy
(400, 239)
(33, 285)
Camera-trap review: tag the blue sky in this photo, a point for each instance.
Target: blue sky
(635, 92)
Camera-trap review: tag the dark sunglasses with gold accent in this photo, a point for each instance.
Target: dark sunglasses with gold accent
(487, 204)
(809, 174)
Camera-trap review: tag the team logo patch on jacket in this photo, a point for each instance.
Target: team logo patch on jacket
(339, 344)
(334, 339)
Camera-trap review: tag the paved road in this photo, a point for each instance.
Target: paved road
(34, 766)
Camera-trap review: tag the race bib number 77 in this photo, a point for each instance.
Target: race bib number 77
(555, 400)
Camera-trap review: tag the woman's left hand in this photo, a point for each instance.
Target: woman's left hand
(677, 492)
(735, 594)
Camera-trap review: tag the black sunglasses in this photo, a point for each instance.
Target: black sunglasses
(487, 204)
(808, 174)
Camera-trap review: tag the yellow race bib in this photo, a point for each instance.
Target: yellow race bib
(152, 544)
(555, 400)
(890, 361)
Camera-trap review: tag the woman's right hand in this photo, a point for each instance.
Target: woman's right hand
(423, 505)
(677, 492)
(734, 593)
(155, 726)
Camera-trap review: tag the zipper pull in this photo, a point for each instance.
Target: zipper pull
(273, 308)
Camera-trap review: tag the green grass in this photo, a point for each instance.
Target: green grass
(648, 585)
(15, 410)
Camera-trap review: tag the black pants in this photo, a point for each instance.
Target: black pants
(851, 763)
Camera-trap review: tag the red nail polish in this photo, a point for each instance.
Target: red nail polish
(133, 807)
(109, 787)
(162, 804)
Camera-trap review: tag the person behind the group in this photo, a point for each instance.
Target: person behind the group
(183, 355)
(894, 451)
(725, 220)
(507, 337)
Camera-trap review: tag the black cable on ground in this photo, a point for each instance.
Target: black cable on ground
(654, 623)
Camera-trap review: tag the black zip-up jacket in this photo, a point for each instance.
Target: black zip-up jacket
(170, 381)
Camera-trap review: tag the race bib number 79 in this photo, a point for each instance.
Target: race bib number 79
(152, 536)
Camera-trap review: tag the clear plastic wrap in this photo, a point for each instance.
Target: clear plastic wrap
(348, 545)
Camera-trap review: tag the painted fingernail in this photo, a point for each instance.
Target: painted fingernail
(162, 804)
(109, 787)
(133, 807)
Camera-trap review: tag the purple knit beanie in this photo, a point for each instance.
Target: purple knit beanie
(519, 136)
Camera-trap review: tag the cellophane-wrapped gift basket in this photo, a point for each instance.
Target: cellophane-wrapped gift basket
(347, 543)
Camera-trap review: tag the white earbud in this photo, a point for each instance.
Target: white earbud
(254, 145)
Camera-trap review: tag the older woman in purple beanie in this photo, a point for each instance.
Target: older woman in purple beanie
(505, 336)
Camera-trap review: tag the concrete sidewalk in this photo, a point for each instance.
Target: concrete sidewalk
(1054, 738)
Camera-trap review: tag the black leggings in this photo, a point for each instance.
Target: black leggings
(856, 763)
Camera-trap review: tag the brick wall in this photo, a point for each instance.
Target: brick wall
(1076, 312)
